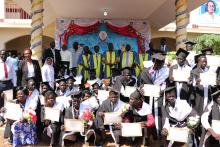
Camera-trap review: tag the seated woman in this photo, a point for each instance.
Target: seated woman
(210, 137)
(52, 128)
(21, 131)
(71, 113)
(175, 114)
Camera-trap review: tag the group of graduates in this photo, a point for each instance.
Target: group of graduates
(177, 101)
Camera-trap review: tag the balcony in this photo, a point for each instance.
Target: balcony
(14, 17)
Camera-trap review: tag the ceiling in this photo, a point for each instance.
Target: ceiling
(158, 12)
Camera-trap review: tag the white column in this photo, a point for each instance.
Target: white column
(2, 9)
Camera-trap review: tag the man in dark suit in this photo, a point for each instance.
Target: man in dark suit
(28, 68)
(54, 53)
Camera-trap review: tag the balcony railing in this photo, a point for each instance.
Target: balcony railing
(12, 11)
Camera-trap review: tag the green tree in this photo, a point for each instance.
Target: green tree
(208, 41)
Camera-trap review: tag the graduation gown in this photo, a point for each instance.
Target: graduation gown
(197, 96)
(212, 112)
(185, 88)
(120, 85)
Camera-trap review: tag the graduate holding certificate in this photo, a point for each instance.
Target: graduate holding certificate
(211, 122)
(177, 77)
(52, 128)
(175, 115)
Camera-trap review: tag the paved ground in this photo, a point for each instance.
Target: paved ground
(3, 143)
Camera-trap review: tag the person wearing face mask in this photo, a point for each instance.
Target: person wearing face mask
(52, 129)
(128, 58)
(157, 74)
(210, 137)
(175, 114)
(110, 59)
(183, 87)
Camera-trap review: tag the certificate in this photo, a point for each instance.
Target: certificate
(52, 114)
(216, 126)
(74, 125)
(64, 100)
(102, 95)
(13, 111)
(90, 103)
(151, 90)
(129, 90)
(148, 63)
(208, 78)
(8, 94)
(213, 60)
(181, 75)
(178, 134)
(112, 117)
(42, 100)
(91, 82)
(131, 129)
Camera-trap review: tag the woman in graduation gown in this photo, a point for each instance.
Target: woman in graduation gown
(52, 128)
(211, 138)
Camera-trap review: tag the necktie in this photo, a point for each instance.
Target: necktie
(6, 72)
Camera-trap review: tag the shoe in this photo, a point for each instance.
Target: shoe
(146, 142)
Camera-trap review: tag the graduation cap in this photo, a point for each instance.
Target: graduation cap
(126, 71)
(207, 50)
(190, 42)
(113, 91)
(215, 95)
(196, 57)
(182, 53)
(156, 51)
(115, 72)
(69, 78)
(30, 78)
(77, 95)
(169, 89)
(136, 94)
(60, 80)
(158, 56)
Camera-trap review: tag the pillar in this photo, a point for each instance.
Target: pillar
(37, 29)
(182, 20)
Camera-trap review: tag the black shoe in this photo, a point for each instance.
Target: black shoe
(146, 142)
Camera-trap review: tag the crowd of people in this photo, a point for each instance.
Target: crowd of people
(78, 75)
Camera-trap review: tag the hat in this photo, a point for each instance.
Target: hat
(215, 95)
(169, 89)
(158, 56)
(190, 42)
(60, 80)
(136, 94)
(182, 53)
(157, 51)
(76, 94)
(196, 58)
(207, 50)
(69, 78)
(126, 71)
(113, 91)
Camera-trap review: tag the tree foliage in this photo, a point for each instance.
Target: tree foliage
(208, 41)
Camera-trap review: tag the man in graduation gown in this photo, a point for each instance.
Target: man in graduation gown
(183, 87)
(157, 74)
(190, 57)
(112, 104)
(139, 112)
(211, 138)
(201, 93)
(124, 80)
(175, 114)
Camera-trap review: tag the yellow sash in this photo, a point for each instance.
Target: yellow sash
(131, 59)
(97, 64)
(86, 64)
(111, 57)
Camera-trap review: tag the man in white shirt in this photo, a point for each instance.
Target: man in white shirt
(66, 55)
(76, 53)
(8, 78)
